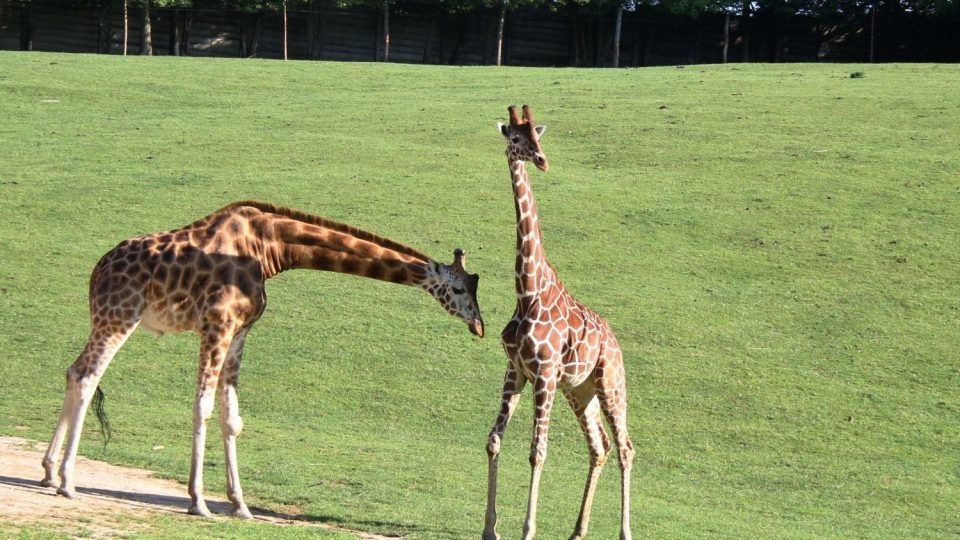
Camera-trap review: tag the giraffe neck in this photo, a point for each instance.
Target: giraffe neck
(532, 271)
(316, 248)
(284, 239)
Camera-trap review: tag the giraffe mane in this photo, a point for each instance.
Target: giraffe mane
(320, 221)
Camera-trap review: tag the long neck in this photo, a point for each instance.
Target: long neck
(303, 245)
(532, 270)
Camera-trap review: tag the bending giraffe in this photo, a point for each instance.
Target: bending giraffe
(556, 343)
(209, 277)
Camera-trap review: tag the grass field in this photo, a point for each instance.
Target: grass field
(776, 247)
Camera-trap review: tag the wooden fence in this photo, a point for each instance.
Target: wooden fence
(422, 33)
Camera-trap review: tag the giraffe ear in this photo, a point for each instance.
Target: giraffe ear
(540, 130)
(503, 129)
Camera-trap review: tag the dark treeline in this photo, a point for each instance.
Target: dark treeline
(515, 32)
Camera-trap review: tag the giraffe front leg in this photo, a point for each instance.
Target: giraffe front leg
(202, 410)
(231, 424)
(546, 388)
(213, 350)
(513, 384)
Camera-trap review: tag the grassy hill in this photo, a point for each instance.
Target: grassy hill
(775, 246)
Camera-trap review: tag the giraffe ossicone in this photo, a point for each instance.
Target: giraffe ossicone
(209, 277)
(555, 343)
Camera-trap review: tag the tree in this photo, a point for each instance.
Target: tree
(146, 33)
(503, 6)
(126, 25)
(616, 35)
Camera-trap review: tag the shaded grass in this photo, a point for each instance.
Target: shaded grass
(775, 246)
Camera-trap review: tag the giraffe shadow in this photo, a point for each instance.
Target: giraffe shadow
(160, 502)
(155, 501)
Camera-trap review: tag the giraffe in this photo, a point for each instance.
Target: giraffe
(555, 343)
(209, 277)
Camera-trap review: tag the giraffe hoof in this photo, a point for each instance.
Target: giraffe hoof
(67, 492)
(48, 482)
(242, 512)
(199, 510)
(490, 536)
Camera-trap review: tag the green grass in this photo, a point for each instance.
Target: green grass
(775, 246)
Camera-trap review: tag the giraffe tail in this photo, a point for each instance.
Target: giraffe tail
(98, 398)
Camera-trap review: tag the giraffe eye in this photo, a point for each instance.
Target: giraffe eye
(515, 138)
(457, 290)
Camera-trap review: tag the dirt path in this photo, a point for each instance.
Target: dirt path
(111, 501)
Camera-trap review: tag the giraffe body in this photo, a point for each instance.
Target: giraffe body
(557, 344)
(209, 277)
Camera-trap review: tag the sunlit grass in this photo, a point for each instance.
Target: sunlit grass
(775, 246)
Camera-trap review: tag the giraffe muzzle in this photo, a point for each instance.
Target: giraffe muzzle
(541, 162)
(476, 327)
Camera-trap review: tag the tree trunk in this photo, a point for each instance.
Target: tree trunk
(502, 19)
(146, 35)
(187, 23)
(315, 23)
(873, 29)
(819, 41)
(616, 36)
(126, 24)
(255, 40)
(726, 35)
(461, 35)
(574, 46)
(249, 47)
(284, 30)
(26, 26)
(175, 33)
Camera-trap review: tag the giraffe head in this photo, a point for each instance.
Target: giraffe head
(456, 290)
(523, 138)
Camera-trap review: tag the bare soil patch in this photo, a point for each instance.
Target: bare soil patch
(111, 500)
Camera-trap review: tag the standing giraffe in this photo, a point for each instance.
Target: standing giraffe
(555, 342)
(209, 277)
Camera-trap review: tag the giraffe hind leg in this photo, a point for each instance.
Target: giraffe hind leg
(586, 406)
(83, 378)
(612, 392)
